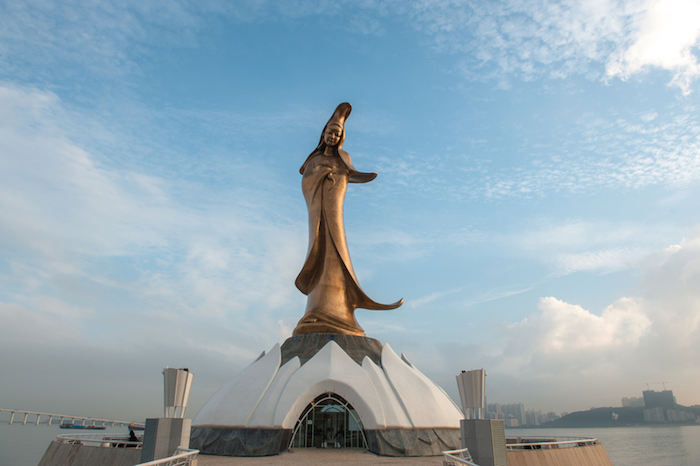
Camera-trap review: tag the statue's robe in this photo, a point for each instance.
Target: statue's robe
(327, 277)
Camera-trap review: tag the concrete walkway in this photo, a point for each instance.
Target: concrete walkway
(321, 457)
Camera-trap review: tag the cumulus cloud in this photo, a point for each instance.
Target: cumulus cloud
(666, 39)
(570, 331)
(601, 357)
(565, 357)
(672, 284)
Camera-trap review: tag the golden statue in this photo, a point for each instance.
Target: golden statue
(327, 277)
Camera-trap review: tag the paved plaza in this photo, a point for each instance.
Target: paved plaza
(314, 456)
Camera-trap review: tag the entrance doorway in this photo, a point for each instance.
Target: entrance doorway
(328, 422)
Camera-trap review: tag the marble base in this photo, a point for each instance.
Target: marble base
(306, 346)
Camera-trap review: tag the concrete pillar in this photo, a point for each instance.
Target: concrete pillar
(12, 417)
(486, 440)
(24, 423)
(38, 416)
(162, 437)
(50, 419)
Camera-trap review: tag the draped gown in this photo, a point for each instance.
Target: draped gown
(327, 277)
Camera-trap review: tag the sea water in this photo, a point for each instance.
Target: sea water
(24, 445)
(635, 446)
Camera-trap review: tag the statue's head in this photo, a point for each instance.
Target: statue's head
(331, 143)
(334, 132)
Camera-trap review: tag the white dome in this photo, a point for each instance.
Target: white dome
(393, 396)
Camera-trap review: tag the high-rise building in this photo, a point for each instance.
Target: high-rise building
(664, 399)
(493, 411)
(516, 410)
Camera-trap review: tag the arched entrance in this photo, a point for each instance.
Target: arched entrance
(328, 422)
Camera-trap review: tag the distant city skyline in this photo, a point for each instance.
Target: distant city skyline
(536, 204)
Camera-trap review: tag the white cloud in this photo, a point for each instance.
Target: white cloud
(418, 302)
(602, 357)
(527, 39)
(494, 295)
(594, 246)
(670, 30)
(565, 357)
(56, 200)
(497, 40)
(62, 212)
(106, 262)
(557, 39)
(672, 284)
(631, 151)
(605, 260)
(567, 329)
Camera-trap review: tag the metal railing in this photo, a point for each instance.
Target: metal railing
(99, 440)
(62, 417)
(122, 441)
(542, 443)
(457, 457)
(182, 459)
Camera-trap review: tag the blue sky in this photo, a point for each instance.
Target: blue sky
(536, 205)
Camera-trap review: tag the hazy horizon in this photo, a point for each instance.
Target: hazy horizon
(536, 204)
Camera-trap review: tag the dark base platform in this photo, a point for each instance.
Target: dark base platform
(224, 441)
(412, 442)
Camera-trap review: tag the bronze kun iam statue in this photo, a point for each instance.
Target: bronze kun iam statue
(327, 277)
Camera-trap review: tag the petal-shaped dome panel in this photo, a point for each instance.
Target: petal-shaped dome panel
(234, 403)
(426, 404)
(330, 370)
(264, 416)
(394, 411)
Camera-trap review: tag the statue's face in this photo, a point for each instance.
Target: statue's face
(332, 134)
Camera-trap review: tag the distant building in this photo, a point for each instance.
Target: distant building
(516, 410)
(664, 399)
(532, 418)
(511, 422)
(493, 411)
(654, 415)
(633, 402)
(661, 407)
(515, 415)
